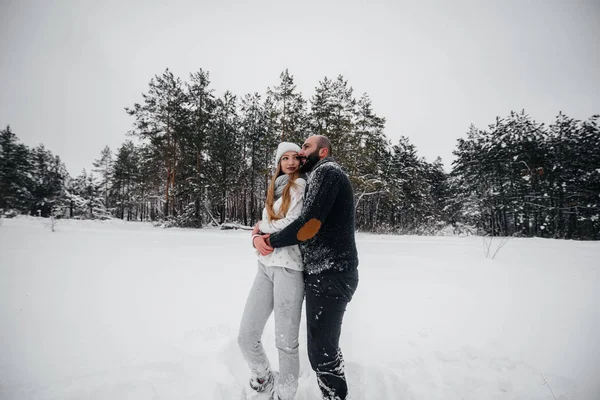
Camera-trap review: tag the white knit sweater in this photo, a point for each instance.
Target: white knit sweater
(289, 256)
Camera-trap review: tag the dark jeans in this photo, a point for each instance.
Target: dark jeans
(326, 298)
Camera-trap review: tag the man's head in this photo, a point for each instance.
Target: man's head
(315, 148)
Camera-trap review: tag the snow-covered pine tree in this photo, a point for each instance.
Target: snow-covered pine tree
(439, 193)
(151, 199)
(406, 206)
(192, 206)
(573, 174)
(590, 179)
(253, 127)
(466, 204)
(104, 167)
(126, 186)
(368, 161)
(333, 111)
(520, 163)
(271, 138)
(162, 120)
(520, 177)
(48, 181)
(290, 108)
(84, 197)
(224, 158)
(15, 173)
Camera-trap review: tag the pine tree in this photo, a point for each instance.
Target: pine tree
(590, 179)
(150, 182)
(468, 179)
(253, 128)
(370, 154)
(85, 199)
(48, 181)
(573, 175)
(332, 114)
(163, 119)
(194, 153)
(104, 166)
(15, 167)
(125, 183)
(520, 177)
(408, 188)
(439, 192)
(224, 153)
(291, 109)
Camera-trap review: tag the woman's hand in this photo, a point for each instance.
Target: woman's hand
(260, 243)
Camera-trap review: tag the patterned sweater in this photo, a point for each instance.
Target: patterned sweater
(325, 228)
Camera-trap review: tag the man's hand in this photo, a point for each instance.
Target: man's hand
(260, 243)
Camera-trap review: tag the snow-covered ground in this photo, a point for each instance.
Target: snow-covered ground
(115, 310)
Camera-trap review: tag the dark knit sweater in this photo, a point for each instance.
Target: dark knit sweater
(325, 229)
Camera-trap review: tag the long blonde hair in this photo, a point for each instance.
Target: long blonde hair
(286, 198)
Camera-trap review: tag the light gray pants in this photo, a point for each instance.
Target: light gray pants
(280, 290)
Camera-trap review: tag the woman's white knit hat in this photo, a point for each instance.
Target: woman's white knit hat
(283, 148)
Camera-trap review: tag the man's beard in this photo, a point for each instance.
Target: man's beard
(309, 162)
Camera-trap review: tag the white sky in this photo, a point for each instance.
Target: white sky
(68, 67)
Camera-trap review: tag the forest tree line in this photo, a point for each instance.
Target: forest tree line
(199, 159)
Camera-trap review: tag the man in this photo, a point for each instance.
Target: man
(325, 233)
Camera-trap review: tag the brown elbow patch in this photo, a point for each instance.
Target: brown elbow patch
(309, 230)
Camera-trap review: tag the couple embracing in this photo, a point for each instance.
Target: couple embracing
(306, 248)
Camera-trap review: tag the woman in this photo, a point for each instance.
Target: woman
(278, 286)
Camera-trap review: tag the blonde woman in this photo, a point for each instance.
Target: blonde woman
(278, 286)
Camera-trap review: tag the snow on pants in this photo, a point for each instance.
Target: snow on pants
(279, 290)
(327, 295)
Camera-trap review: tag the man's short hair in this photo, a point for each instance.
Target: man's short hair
(324, 143)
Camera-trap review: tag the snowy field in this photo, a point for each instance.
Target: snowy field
(115, 310)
